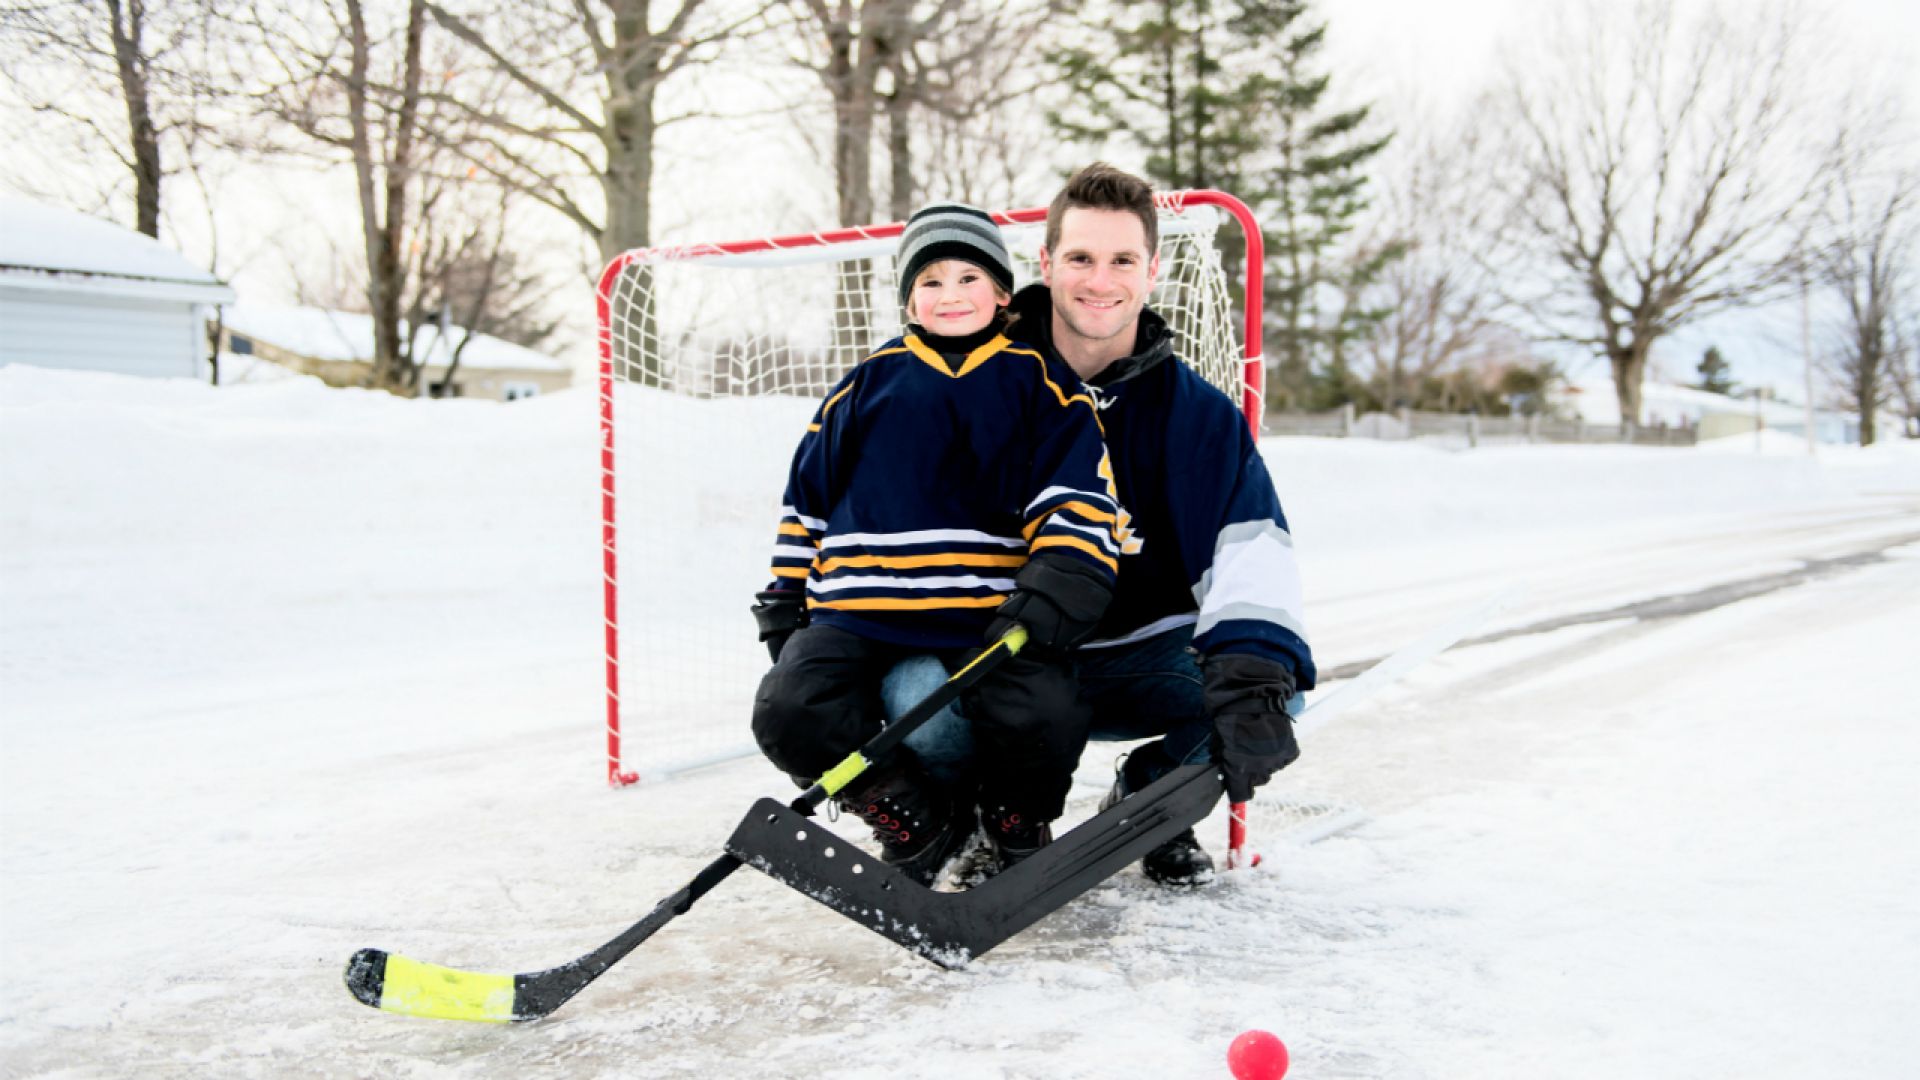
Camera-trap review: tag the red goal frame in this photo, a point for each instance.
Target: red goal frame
(1252, 403)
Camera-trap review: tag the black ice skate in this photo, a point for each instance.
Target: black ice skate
(911, 818)
(1013, 836)
(1180, 862)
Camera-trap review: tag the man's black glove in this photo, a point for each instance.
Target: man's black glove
(1252, 734)
(1058, 599)
(779, 612)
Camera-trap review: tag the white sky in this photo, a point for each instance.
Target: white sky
(1411, 58)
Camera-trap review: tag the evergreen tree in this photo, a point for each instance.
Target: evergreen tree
(1221, 93)
(1714, 372)
(1316, 192)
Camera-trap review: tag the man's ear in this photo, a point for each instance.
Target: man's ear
(1046, 267)
(1153, 271)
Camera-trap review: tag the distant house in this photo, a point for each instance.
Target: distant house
(337, 348)
(1715, 416)
(78, 292)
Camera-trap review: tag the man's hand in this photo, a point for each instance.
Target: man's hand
(1058, 599)
(779, 612)
(1252, 734)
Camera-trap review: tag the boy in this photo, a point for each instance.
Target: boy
(950, 485)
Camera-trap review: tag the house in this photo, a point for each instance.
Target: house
(337, 348)
(78, 292)
(1714, 416)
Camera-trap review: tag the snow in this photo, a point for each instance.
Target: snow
(340, 335)
(286, 671)
(41, 237)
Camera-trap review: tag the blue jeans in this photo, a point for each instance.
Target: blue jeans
(1142, 690)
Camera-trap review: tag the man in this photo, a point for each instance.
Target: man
(1203, 644)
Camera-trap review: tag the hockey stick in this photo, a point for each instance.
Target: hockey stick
(1323, 711)
(397, 984)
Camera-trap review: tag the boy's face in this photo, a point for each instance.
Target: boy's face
(951, 298)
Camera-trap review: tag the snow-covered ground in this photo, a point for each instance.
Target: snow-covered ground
(288, 671)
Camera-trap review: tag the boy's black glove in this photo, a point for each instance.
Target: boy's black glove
(1058, 599)
(1252, 734)
(779, 612)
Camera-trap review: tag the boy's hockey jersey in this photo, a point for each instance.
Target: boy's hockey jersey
(926, 480)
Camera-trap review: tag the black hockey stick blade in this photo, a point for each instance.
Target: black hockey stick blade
(952, 928)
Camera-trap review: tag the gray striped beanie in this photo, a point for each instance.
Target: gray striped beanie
(952, 231)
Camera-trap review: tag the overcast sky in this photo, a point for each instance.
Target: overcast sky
(1411, 58)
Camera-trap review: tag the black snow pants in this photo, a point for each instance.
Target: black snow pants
(822, 701)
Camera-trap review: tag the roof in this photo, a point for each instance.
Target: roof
(320, 334)
(51, 247)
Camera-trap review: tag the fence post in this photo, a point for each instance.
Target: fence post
(1533, 428)
(1346, 420)
(1473, 430)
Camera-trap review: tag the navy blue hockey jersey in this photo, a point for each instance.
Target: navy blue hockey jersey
(1213, 547)
(922, 486)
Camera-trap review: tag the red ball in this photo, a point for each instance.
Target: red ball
(1257, 1055)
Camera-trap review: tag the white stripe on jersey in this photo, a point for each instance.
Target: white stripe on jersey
(922, 536)
(1099, 532)
(1094, 497)
(1254, 576)
(812, 524)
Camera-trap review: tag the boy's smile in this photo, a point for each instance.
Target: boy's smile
(952, 298)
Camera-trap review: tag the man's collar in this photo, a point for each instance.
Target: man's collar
(1152, 342)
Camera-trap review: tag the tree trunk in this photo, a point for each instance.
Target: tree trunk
(1629, 364)
(899, 145)
(127, 25)
(630, 132)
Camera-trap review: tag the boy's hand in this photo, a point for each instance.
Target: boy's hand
(1059, 599)
(779, 612)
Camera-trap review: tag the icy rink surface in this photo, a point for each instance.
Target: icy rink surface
(288, 671)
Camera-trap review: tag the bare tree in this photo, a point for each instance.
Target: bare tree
(1868, 235)
(1906, 376)
(955, 127)
(1437, 297)
(1655, 181)
(151, 62)
(354, 88)
(587, 76)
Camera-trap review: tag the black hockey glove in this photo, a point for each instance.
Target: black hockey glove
(779, 613)
(1058, 599)
(1252, 734)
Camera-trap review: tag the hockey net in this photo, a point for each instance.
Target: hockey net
(713, 357)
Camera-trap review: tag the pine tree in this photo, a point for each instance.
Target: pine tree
(1714, 372)
(1221, 93)
(1317, 192)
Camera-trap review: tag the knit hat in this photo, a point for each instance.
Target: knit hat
(952, 231)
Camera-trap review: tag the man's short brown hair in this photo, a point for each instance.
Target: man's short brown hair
(1100, 186)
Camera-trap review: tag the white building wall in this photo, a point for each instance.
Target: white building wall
(122, 334)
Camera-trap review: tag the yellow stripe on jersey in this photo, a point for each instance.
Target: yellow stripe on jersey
(1078, 544)
(912, 562)
(1085, 510)
(795, 572)
(843, 390)
(1065, 398)
(794, 528)
(895, 603)
(939, 363)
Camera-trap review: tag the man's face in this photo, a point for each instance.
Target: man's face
(1100, 274)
